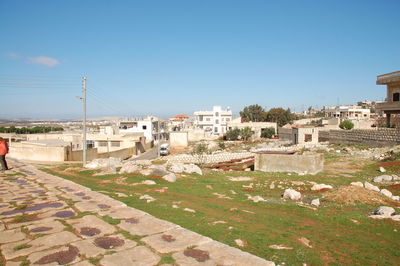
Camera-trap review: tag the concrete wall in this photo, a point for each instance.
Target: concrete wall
(196, 135)
(372, 137)
(208, 158)
(256, 127)
(93, 154)
(38, 153)
(285, 133)
(299, 135)
(178, 139)
(310, 164)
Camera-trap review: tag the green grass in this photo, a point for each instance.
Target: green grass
(23, 246)
(335, 238)
(166, 259)
(111, 220)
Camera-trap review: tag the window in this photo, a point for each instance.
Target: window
(216, 129)
(396, 96)
(217, 121)
(115, 143)
(102, 143)
(144, 127)
(200, 118)
(307, 137)
(227, 119)
(208, 119)
(216, 114)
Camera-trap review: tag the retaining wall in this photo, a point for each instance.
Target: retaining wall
(208, 158)
(371, 137)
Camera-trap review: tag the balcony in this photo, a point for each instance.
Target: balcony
(388, 106)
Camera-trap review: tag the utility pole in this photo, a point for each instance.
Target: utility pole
(84, 122)
(158, 136)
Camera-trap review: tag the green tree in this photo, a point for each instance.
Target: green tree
(280, 116)
(268, 133)
(246, 133)
(199, 152)
(253, 113)
(346, 124)
(233, 134)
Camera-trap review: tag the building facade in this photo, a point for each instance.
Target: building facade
(347, 112)
(391, 106)
(213, 122)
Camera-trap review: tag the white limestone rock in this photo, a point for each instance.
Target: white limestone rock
(369, 186)
(321, 186)
(315, 202)
(186, 168)
(382, 170)
(397, 198)
(129, 168)
(386, 193)
(147, 198)
(382, 178)
(357, 184)
(104, 163)
(170, 177)
(384, 211)
(256, 198)
(142, 162)
(148, 182)
(291, 194)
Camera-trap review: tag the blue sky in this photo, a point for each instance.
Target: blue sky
(172, 57)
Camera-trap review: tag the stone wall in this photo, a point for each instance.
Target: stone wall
(371, 137)
(285, 133)
(323, 136)
(207, 158)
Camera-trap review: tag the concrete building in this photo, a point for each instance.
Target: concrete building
(180, 122)
(347, 112)
(300, 134)
(392, 104)
(153, 128)
(213, 122)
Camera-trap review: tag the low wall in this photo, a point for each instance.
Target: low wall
(371, 137)
(93, 154)
(38, 153)
(207, 158)
(323, 136)
(309, 164)
(285, 133)
(178, 139)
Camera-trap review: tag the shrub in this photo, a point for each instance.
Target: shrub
(222, 145)
(199, 152)
(233, 134)
(268, 133)
(246, 133)
(346, 124)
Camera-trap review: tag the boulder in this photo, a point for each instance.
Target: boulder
(396, 198)
(291, 194)
(386, 193)
(256, 198)
(315, 202)
(369, 186)
(187, 168)
(142, 162)
(104, 163)
(129, 168)
(148, 182)
(321, 186)
(382, 170)
(395, 178)
(357, 184)
(384, 211)
(170, 177)
(382, 178)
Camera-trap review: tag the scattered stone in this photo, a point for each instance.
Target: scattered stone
(233, 192)
(369, 186)
(218, 222)
(175, 206)
(291, 194)
(280, 247)
(104, 163)
(142, 162)
(384, 211)
(315, 202)
(381, 178)
(241, 178)
(357, 184)
(256, 198)
(386, 193)
(321, 186)
(189, 210)
(355, 221)
(170, 177)
(161, 190)
(240, 243)
(148, 198)
(121, 195)
(222, 196)
(209, 187)
(396, 198)
(187, 168)
(304, 241)
(149, 182)
(382, 170)
(197, 254)
(129, 168)
(248, 186)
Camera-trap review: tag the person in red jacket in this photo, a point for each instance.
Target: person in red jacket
(3, 152)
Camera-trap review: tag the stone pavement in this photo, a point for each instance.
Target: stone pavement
(47, 220)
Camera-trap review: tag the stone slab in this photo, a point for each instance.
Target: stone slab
(138, 256)
(91, 221)
(145, 225)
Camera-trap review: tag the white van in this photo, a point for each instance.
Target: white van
(164, 149)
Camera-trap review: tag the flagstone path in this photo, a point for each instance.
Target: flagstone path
(47, 220)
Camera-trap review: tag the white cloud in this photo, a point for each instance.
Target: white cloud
(13, 55)
(44, 60)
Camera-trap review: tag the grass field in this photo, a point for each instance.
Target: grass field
(339, 233)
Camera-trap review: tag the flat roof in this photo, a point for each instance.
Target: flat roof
(388, 78)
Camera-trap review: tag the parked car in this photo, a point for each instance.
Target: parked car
(164, 149)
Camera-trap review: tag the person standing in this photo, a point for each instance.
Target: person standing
(3, 152)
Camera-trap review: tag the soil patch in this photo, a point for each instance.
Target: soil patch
(168, 238)
(90, 231)
(41, 229)
(197, 254)
(353, 194)
(64, 214)
(108, 242)
(61, 257)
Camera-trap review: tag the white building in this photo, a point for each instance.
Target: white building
(214, 122)
(151, 127)
(350, 112)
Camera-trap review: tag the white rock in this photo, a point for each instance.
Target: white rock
(189, 210)
(291, 194)
(240, 178)
(396, 198)
(395, 217)
(395, 177)
(357, 184)
(385, 211)
(129, 168)
(381, 178)
(382, 170)
(148, 182)
(147, 198)
(369, 186)
(386, 193)
(240, 242)
(170, 177)
(321, 186)
(104, 163)
(315, 202)
(142, 162)
(256, 198)
(187, 168)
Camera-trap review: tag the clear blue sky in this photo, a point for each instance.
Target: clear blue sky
(172, 57)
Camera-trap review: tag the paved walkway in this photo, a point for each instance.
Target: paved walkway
(48, 220)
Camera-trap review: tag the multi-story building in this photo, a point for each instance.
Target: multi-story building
(213, 121)
(391, 107)
(351, 112)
